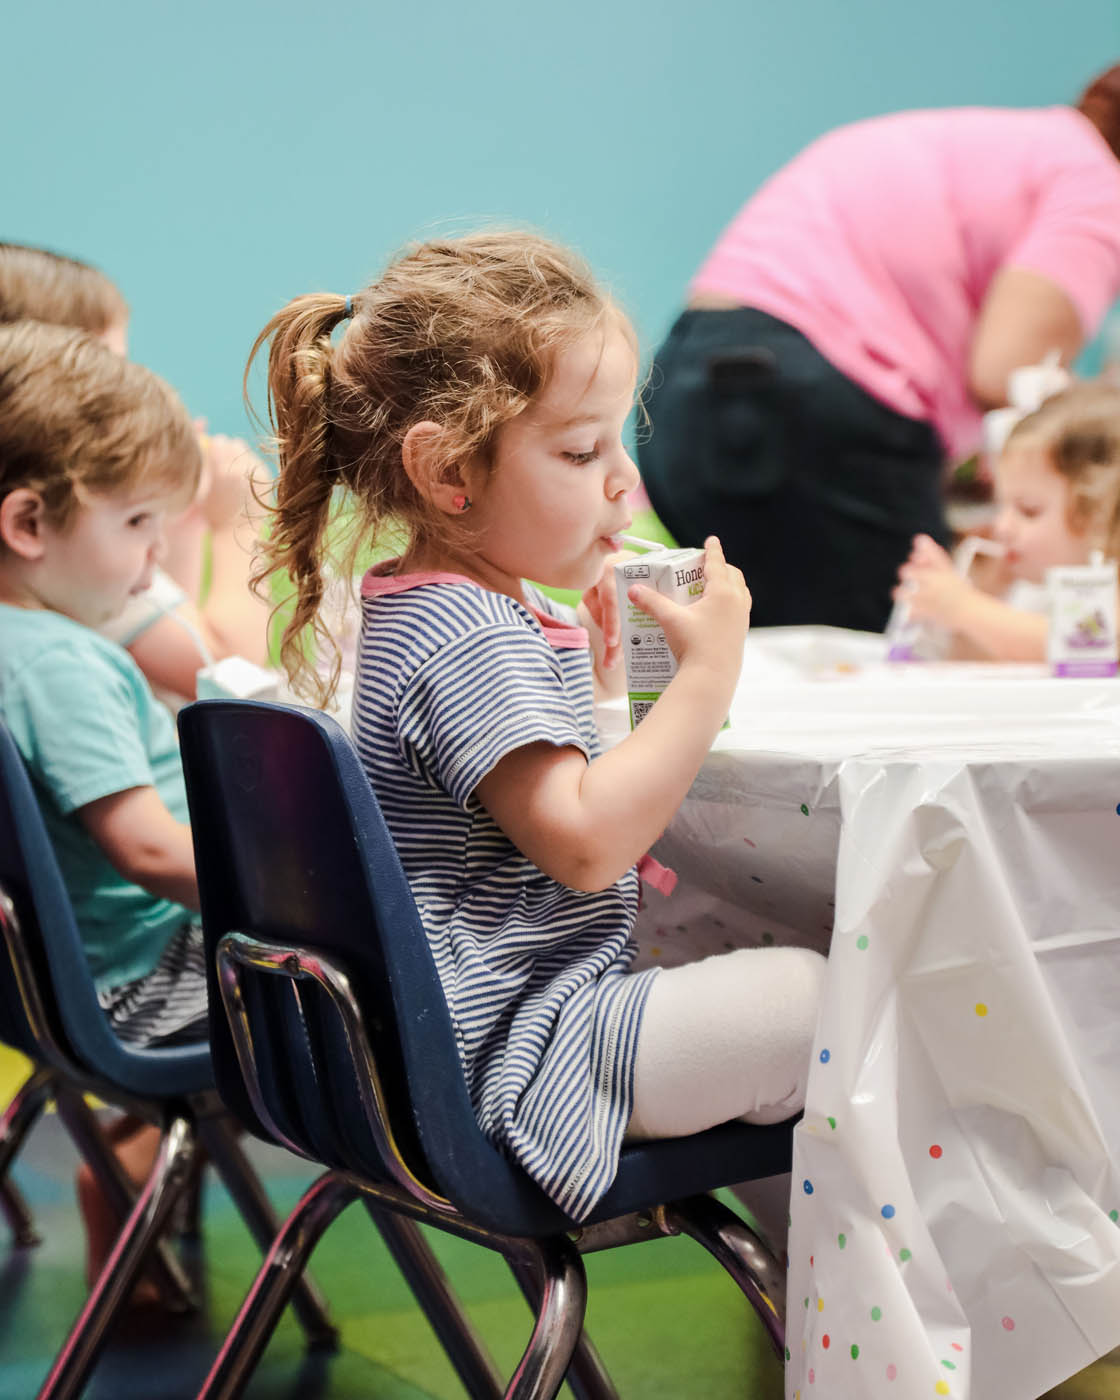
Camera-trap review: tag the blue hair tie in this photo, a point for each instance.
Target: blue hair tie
(349, 310)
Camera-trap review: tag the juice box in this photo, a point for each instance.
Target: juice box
(650, 665)
(1082, 637)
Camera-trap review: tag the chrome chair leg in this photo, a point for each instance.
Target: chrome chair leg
(244, 1186)
(541, 1370)
(18, 1215)
(22, 1113)
(736, 1246)
(588, 1378)
(283, 1266)
(81, 1123)
(187, 1220)
(18, 1119)
(71, 1368)
(430, 1287)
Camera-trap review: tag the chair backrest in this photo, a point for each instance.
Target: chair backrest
(291, 847)
(73, 1034)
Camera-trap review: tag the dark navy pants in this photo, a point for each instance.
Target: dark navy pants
(814, 487)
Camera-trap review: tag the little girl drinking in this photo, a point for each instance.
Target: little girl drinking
(474, 404)
(1058, 486)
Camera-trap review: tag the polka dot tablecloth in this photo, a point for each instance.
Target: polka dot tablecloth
(956, 1193)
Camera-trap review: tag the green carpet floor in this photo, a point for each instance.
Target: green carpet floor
(666, 1320)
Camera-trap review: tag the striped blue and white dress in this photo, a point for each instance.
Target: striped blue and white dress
(451, 677)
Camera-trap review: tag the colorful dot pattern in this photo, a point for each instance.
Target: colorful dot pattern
(832, 1347)
(855, 1349)
(828, 1343)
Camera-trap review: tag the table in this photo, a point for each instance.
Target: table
(953, 833)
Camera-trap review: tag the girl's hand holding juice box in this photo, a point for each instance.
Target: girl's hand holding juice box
(650, 663)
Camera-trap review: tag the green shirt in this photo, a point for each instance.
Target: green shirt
(87, 724)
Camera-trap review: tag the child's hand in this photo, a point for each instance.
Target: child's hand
(930, 586)
(599, 605)
(710, 632)
(925, 551)
(226, 490)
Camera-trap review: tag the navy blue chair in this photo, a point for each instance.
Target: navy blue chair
(49, 1011)
(337, 1043)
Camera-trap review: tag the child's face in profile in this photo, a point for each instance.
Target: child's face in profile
(104, 555)
(556, 498)
(1034, 515)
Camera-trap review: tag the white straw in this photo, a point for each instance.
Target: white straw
(984, 545)
(971, 546)
(639, 543)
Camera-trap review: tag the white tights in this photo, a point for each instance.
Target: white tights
(728, 1037)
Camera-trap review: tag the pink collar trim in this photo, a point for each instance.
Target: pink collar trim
(380, 581)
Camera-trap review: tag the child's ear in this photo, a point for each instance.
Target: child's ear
(424, 453)
(21, 523)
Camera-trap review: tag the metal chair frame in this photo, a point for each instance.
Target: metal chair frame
(546, 1260)
(550, 1270)
(17, 1120)
(190, 1117)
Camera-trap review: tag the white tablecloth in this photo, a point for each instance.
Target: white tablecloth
(955, 832)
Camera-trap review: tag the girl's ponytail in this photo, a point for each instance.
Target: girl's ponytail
(300, 358)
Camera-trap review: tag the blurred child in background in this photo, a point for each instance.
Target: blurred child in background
(1057, 484)
(38, 285)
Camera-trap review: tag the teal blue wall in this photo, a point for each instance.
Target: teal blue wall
(218, 158)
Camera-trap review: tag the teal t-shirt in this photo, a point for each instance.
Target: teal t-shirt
(87, 724)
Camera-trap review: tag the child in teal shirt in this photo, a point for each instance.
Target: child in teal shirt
(95, 454)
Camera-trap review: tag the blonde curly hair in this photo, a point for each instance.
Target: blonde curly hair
(1078, 431)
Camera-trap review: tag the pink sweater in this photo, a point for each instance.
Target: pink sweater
(879, 240)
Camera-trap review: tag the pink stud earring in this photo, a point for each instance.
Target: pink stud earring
(461, 503)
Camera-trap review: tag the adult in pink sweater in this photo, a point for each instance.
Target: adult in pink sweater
(855, 320)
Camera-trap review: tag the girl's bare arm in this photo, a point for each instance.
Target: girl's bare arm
(586, 824)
